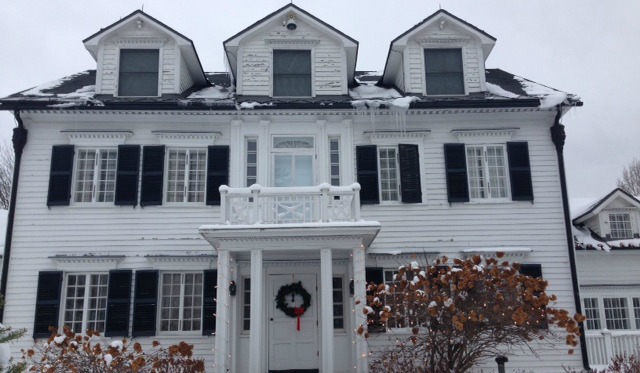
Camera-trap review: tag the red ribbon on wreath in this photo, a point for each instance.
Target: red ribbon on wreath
(299, 311)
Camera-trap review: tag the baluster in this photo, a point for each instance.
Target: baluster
(224, 213)
(255, 211)
(355, 202)
(608, 344)
(324, 202)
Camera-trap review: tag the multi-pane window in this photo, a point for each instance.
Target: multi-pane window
(592, 312)
(186, 175)
(405, 315)
(334, 161)
(487, 171)
(246, 306)
(616, 313)
(620, 225)
(85, 302)
(444, 71)
(636, 311)
(252, 162)
(95, 177)
(181, 302)
(338, 303)
(389, 182)
(138, 72)
(292, 73)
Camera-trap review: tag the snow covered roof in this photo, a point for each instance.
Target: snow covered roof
(78, 91)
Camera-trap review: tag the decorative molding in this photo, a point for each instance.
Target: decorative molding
(87, 258)
(180, 258)
(292, 42)
(483, 135)
(443, 39)
(608, 287)
(97, 137)
(509, 252)
(292, 263)
(140, 40)
(396, 135)
(186, 138)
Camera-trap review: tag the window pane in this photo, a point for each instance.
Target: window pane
(615, 311)
(107, 175)
(334, 161)
(338, 303)
(444, 72)
(592, 312)
(292, 73)
(252, 162)
(196, 176)
(246, 310)
(636, 311)
(170, 309)
(85, 167)
(388, 174)
(74, 303)
(620, 225)
(496, 172)
(138, 72)
(176, 171)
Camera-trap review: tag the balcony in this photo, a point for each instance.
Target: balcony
(297, 205)
(603, 345)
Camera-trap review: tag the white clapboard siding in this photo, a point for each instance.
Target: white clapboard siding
(618, 267)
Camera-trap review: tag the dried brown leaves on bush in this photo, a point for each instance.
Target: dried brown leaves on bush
(461, 313)
(70, 352)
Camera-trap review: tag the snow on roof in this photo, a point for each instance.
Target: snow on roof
(213, 93)
(579, 206)
(582, 238)
(496, 90)
(549, 97)
(371, 91)
(50, 86)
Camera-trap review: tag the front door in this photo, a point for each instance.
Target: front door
(291, 349)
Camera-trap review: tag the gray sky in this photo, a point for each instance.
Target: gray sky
(586, 47)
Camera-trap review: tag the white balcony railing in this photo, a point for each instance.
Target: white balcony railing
(268, 205)
(602, 345)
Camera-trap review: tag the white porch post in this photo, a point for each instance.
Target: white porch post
(256, 333)
(223, 316)
(360, 299)
(326, 301)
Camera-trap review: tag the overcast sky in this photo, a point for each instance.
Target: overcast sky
(587, 47)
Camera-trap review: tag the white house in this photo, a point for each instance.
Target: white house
(164, 203)
(607, 236)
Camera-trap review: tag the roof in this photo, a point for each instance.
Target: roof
(584, 210)
(78, 91)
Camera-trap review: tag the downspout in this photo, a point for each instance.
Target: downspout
(558, 136)
(19, 140)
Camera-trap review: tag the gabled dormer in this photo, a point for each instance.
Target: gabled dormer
(441, 56)
(615, 217)
(140, 56)
(291, 54)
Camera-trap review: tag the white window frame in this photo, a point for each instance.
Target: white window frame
(628, 314)
(295, 152)
(181, 306)
(593, 322)
(625, 223)
(85, 321)
(381, 175)
(426, 46)
(95, 182)
(131, 44)
(294, 45)
(486, 187)
(334, 177)
(186, 193)
(250, 180)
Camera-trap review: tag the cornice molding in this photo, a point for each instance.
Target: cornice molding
(186, 138)
(180, 258)
(87, 258)
(482, 135)
(292, 41)
(140, 40)
(97, 137)
(396, 135)
(442, 39)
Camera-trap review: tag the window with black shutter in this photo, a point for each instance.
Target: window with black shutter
(145, 303)
(209, 294)
(127, 175)
(374, 275)
(118, 303)
(60, 175)
(367, 173)
(152, 175)
(520, 171)
(410, 186)
(535, 271)
(47, 303)
(217, 172)
(455, 163)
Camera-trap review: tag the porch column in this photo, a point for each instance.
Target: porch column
(221, 362)
(360, 300)
(256, 333)
(326, 301)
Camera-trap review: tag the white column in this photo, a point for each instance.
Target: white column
(256, 333)
(326, 301)
(223, 316)
(360, 299)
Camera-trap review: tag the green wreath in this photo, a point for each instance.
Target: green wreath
(293, 289)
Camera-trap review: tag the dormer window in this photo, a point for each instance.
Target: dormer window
(620, 225)
(291, 73)
(444, 72)
(138, 72)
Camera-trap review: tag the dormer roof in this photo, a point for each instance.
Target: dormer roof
(140, 20)
(279, 17)
(440, 18)
(594, 208)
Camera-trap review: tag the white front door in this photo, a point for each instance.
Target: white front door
(289, 348)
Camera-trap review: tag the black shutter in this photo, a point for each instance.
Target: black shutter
(209, 294)
(127, 175)
(118, 303)
(367, 165)
(152, 175)
(60, 175)
(455, 163)
(535, 271)
(520, 171)
(374, 275)
(217, 172)
(410, 173)
(144, 304)
(47, 303)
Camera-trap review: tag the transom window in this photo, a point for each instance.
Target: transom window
(138, 72)
(96, 175)
(616, 313)
(487, 171)
(85, 302)
(444, 71)
(620, 225)
(292, 73)
(181, 302)
(388, 166)
(592, 312)
(186, 175)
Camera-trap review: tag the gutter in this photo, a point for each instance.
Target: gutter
(19, 141)
(558, 136)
